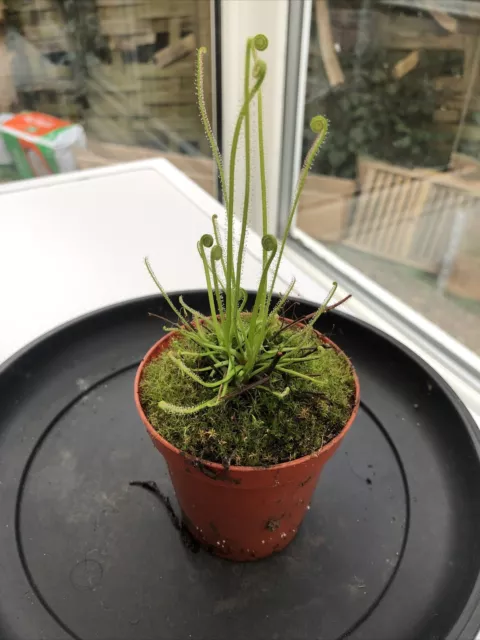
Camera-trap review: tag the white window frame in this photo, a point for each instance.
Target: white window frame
(241, 19)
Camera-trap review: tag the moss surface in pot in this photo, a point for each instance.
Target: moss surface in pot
(238, 388)
(263, 425)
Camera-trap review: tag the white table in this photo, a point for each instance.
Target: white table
(73, 243)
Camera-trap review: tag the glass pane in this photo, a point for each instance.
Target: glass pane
(120, 71)
(395, 189)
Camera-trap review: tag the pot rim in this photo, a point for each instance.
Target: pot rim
(216, 465)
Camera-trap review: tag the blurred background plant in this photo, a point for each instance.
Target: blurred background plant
(376, 114)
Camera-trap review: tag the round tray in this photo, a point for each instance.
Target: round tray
(390, 549)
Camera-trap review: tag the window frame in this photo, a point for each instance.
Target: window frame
(240, 20)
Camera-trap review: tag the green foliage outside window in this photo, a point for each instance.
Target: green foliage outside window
(377, 115)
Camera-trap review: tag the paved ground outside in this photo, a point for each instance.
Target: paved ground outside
(458, 316)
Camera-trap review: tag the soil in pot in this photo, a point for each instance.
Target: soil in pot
(257, 457)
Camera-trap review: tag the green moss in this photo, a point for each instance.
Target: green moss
(255, 428)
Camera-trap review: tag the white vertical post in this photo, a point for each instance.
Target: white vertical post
(242, 19)
(298, 47)
(451, 251)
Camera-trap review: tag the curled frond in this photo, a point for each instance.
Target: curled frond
(260, 42)
(218, 240)
(259, 69)
(206, 240)
(269, 242)
(318, 124)
(216, 253)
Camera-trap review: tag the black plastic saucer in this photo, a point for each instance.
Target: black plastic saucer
(390, 549)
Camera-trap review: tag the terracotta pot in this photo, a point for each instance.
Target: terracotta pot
(242, 513)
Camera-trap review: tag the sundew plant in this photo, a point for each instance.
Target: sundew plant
(231, 351)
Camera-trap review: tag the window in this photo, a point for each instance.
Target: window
(395, 190)
(121, 72)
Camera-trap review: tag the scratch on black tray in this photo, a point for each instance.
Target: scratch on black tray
(187, 538)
